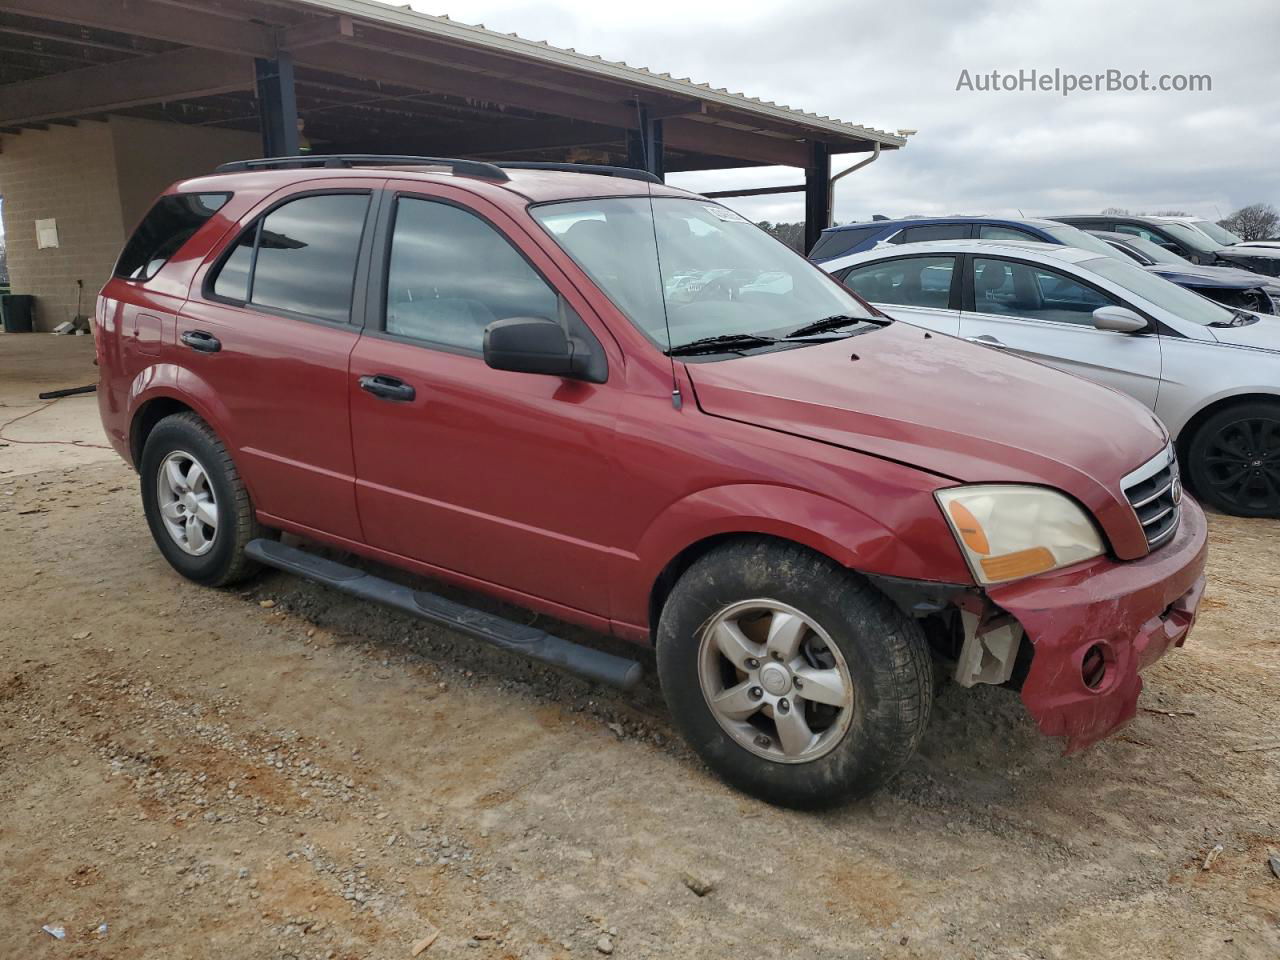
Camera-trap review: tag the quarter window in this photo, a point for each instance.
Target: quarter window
(991, 232)
(163, 231)
(1033, 293)
(300, 258)
(451, 274)
(910, 281)
(937, 231)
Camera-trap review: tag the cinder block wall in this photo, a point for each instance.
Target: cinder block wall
(69, 174)
(96, 179)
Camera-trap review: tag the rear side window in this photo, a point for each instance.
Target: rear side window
(833, 243)
(909, 281)
(988, 231)
(937, 231)
(166, 227)
(300, 258)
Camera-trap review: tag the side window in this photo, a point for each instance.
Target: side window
(451, 274)
(989, 231)
(835, 242)
(911, 281)
(301, 257)
(938, 231)
(1033, 293)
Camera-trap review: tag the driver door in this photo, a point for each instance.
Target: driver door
(496, 476)
(1043, 314)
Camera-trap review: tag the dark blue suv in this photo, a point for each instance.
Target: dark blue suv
(856, 237)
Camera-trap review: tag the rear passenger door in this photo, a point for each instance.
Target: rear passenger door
(1044, 314)
(494, 476)
(264, 343)
(922, 291)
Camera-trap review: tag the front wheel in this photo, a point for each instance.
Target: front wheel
(1234, 459)
(794, 679)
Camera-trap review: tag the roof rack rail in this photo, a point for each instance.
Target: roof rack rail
(465, 168)
(627, 173)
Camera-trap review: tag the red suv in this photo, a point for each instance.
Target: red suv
(621, 404)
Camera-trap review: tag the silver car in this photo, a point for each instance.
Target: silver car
(1212, 374)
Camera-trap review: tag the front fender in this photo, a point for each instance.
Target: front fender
(908, 538)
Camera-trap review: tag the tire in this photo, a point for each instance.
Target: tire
(888, 673)
(213, 555)
(1233, 459)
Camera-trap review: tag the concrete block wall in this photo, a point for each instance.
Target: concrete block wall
(69, 174)
(97, 179)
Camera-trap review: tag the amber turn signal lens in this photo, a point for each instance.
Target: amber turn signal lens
(970, 530)
(1024, 563)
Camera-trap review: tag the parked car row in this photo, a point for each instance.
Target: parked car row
(622, 405)
(1210, 370)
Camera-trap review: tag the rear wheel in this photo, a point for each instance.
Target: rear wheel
(1234, 459)
(196, 505)
(794, 679)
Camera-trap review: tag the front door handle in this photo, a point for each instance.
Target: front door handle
(388, 388)
(199, 340)
(988, 341)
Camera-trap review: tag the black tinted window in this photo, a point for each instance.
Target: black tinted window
(166, 227)
(939, 231)
(911, 281)
(232, 280)
(306, 255)
(833, 243)
(451, 274)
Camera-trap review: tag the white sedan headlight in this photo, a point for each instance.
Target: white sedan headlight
(1008, 531)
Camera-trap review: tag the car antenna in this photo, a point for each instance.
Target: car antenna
(677, 400)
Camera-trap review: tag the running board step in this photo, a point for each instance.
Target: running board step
(516, 637)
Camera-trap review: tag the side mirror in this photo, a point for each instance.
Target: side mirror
(1119, 319)
(532, 345)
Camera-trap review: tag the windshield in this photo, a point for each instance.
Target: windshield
(1221, 234)
(695, 265)
(1075, 237)
(1153, 251)
(1179, 301)
(1192, 237)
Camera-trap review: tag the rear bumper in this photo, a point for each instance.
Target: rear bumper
(1134, 611)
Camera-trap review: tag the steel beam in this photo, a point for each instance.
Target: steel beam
(277, 106)
(155, 20)
(817, 193)
(177, 75)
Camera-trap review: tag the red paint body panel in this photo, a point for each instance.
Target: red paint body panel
(572, 498)
(1137, 610)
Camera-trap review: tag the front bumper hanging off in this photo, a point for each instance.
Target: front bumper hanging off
(1106, 621)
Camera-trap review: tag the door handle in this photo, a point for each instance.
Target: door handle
(988, 341)
(388, 388)
(199, 340)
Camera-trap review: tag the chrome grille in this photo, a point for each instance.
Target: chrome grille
(1154, 491)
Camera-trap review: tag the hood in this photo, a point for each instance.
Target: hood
(1262, 335)
(1224, 278)
(955, 409)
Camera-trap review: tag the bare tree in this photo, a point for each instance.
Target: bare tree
(1115, 212)
(1258, 221)
(4, 263)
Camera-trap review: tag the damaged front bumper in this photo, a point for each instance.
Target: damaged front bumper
(1093, 627)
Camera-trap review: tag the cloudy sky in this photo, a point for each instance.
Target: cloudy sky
(896, 66)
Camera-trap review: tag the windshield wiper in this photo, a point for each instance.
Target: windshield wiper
(835, 322)
(1239, 318)
(721, 344)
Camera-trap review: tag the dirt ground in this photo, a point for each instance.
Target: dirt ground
(280, 772)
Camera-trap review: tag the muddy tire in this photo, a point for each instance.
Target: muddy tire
(1233, 460)
(196, 505)
(794, 679)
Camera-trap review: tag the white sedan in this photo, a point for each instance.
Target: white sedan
(1210, 373)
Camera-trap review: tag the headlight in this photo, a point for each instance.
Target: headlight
(1008, 531)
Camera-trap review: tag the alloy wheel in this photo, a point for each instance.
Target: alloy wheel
(188, 507)
(1242, 464)
(775, 681)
